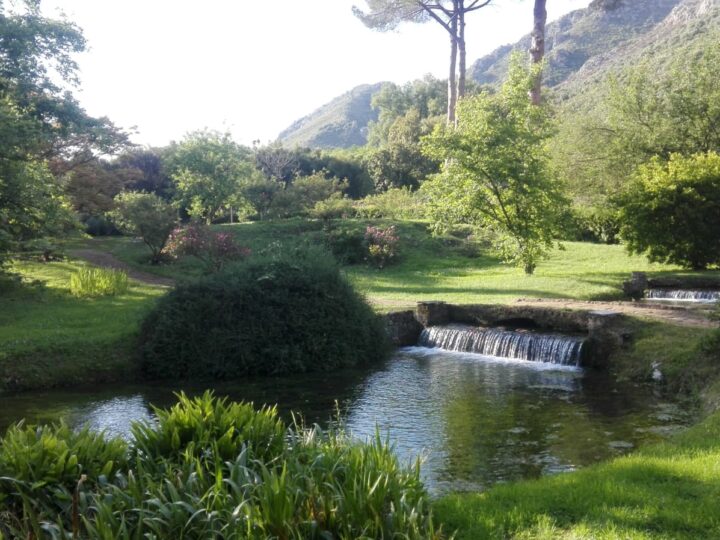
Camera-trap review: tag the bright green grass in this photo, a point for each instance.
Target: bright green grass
(445, 268)
(50, 338)
(668, 491)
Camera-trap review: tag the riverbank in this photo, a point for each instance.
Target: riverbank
(665, 491)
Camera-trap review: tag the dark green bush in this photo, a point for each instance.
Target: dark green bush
(272, 314)
(347, 246)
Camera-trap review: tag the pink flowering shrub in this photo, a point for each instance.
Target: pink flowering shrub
(214, 249)
(382, 245)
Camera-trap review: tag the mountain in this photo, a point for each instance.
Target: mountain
(342, 123)
(579, 37)
(582, 49)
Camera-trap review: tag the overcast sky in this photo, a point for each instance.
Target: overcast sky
(254, 66)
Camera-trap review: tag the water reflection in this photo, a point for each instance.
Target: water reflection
(476, 420)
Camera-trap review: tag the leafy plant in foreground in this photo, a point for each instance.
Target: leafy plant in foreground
(312, 485)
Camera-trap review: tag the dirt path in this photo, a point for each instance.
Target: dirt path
(106, 260)
(679, 315)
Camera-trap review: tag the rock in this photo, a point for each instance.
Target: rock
(403, 328)
(432, 313)
(635, 287)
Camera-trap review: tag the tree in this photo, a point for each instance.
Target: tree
(147, 216)
(277, 163)
(41, 121)
(537, 48)
(648, 110)
(400, 161)
(208, 169)
(671, 210)
(495, 173)
(386, 15)
(150, 174)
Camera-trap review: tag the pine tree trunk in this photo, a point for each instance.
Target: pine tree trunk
(537, 48)
(462, 69)
(452, 80)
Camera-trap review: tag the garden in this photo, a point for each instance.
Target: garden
(477, 325)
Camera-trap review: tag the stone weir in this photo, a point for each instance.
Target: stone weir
(603, 331)
(697, 288)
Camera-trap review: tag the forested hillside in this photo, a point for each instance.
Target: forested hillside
(342, 123)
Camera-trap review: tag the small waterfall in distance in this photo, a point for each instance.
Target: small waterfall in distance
(683, 295)
(532, 347)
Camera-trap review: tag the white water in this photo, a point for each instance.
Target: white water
(527, 346)
(683, 295)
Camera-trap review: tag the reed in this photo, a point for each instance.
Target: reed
(94, 282)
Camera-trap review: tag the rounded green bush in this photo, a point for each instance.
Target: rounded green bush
(269, 315)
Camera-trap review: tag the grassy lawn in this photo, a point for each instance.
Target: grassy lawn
(447, 268)
(668, 491)
(50, 338)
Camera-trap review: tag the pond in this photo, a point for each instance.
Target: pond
(475, 420)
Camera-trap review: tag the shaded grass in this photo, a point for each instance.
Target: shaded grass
(450, 268)
(660, 492)
(50, 338)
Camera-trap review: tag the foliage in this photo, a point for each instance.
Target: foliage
(278, 313)
(495, 171)
(234, 477)
(196, 426)
(671, 211)
(208, 169)
(149, 170)
(214, 249)
(592, 224)
(39, 121)
(334, 207)
(347, 246)
(400, 162)
(260, 194)
(147, 216)
(92, 282)
(303, 194)
(645, 111)
(382, 246)
(395, 203)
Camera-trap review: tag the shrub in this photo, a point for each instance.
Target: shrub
(671, 211)
(92, 282)
(310, 484)
(382, 245)
(147, 216)
(197, 425)
(335, 207)
(303, 194)
(347, 246)
(395, 203)
(277, 313)
(592, 224)
(214, 249)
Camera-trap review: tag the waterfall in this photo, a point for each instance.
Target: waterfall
(683, 295)
(532, 347)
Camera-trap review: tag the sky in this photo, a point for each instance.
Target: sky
(252, 67)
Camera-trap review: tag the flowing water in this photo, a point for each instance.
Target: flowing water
(528, 346)
(683, 295)
(476, 420)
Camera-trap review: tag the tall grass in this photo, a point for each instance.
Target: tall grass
(179, 479)
(93, 282)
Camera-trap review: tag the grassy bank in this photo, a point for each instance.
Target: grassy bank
(50, 338)
(667, 491)
(454, 268)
